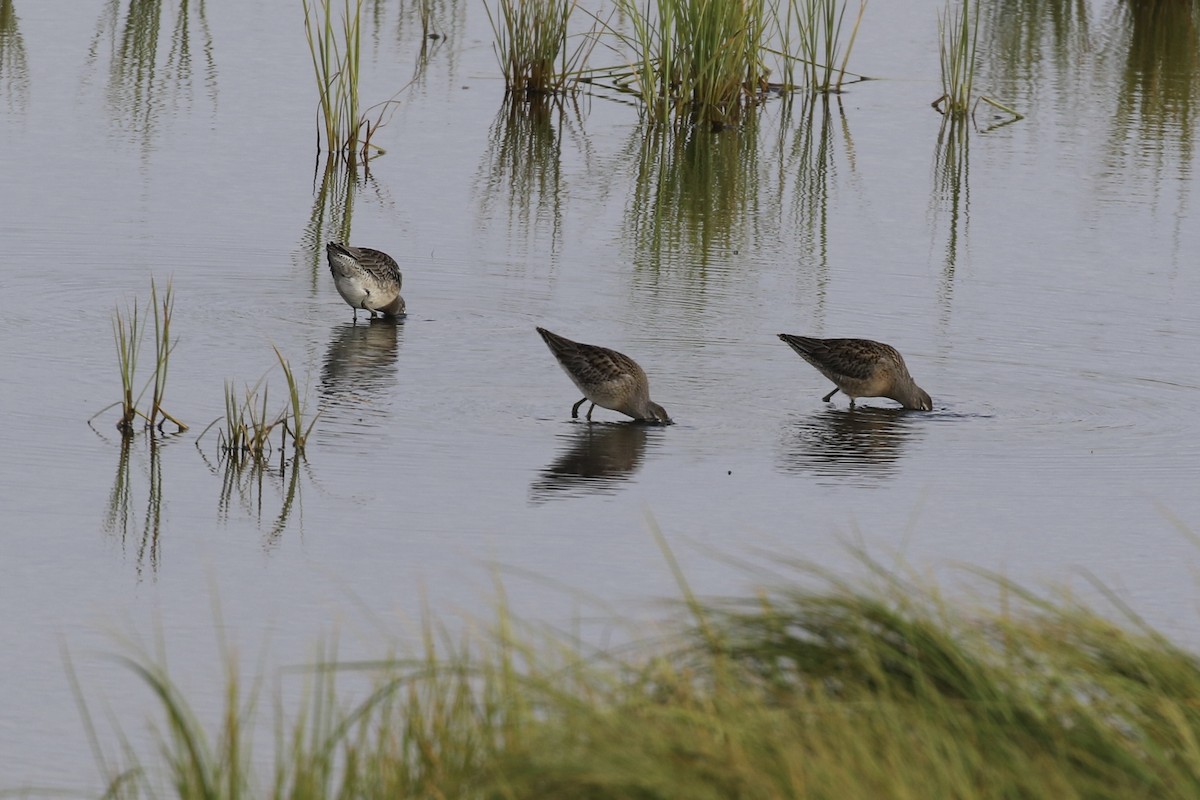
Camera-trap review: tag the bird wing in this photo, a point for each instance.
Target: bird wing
(592, 365)
(379, 264)
(856, 359)
(599, 365)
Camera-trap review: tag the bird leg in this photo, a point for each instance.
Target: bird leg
(575, 408)
(825, 399)
(590, 410)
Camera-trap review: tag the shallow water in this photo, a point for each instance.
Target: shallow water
(1040, 279)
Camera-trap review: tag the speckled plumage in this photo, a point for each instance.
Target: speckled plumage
(861, 368)
(607, 378)
(365, 278)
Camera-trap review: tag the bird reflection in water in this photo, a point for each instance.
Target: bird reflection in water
(857, 445)
(597, 459)
(359, 365)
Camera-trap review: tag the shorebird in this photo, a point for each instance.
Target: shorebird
(607, 378)
(365, 278)
(861, 368)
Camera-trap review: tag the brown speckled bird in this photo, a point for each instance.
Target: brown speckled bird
(606, 378)
(365, 278)
(861, 368)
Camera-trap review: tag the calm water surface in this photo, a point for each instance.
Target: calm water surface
(1040, 278)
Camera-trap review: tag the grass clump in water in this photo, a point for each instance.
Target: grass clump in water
(531, 45)
(249, 422)
(708, 62)
(127, 334)
(958, 37)
(129, 328)
(835, 691)
(336, 48)
(820, 27)
(699, 62)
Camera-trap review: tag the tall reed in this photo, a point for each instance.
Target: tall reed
(958, 37)
(820, 25)
(163, 347)
(127, 335)
(531, 45)
(958, 34)
(335, 47)
(707, 62)
(699, 62)
(128, 331)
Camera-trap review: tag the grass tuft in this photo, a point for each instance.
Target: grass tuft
(163, 347)
(821, 40)
(129, 328)
(335, 45)
(958, 35)
(699, 62)
(336, 51)
(531, 46)
(958, 38)
(709, 62)
(127, 335)
(248, 424)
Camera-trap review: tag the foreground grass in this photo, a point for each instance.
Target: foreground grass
(819, 689)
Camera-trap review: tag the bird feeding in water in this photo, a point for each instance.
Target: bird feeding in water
(861, 368)
(365, 278)
(607, 378)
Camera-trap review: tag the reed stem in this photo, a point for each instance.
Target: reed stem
(958, 34)
(294, 423)
(335, 48)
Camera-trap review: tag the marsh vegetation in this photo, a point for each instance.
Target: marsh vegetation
(880, 687)
(708, 63)
(820, 202)
(533, 48)
(958, 42)
(335, 43)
